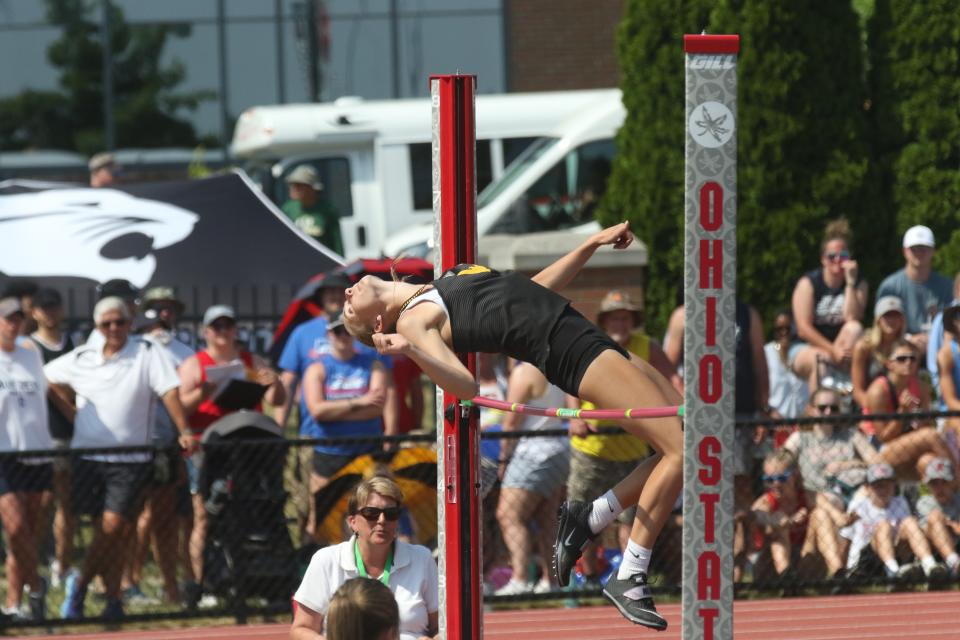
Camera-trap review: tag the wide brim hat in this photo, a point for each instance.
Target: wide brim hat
(617, 300)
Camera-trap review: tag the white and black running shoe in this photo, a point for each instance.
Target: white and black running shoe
(633, 598)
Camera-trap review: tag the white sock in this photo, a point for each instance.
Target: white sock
(892, 567)
(953, 561)
(927, 563)
(605, 510)
(636, 559)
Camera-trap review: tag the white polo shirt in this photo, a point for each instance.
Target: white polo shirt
(861, 532)
(116, 396)
(413, 581)
(23, 403)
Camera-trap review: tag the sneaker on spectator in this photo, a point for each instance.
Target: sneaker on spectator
(208, 601)
(573, 534)
(37, 601)
(543, 586)
(515, 588)
(938, 576)
(114, 610)
(191, 592)
(135, 597)
(906, 576)
(74, 595)
(633, 599)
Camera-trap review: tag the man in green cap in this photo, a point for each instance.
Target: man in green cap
(312, 214)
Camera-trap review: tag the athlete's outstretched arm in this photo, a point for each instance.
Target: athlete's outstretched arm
(560, 273)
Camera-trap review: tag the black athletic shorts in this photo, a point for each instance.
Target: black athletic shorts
(109, 486)
(327, 464)
(575, 342)
(16, 477)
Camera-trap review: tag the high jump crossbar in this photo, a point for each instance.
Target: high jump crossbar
(585, 414)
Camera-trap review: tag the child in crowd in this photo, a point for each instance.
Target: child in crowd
(781, 516)
(885, 526)
(939, 511)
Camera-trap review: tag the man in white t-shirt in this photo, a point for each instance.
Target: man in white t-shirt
(885, 523)
(115, 386)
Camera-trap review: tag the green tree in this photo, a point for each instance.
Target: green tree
(802, 156)
(146, 102)
(915, 92)
(646, 181)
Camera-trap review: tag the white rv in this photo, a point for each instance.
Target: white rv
(374, 156)
(554, 185)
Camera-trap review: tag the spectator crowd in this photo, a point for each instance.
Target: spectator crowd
(871, 497)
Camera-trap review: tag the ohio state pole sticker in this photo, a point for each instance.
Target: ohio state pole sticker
(709, 335)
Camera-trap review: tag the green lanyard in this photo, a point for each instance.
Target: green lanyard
(385, 578)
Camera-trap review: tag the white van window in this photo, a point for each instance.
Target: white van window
(563, 197)
(421, 172)
(515, 170)
(512, 148)
(334, 174)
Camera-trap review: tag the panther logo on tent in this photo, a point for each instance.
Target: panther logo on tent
(98, 234)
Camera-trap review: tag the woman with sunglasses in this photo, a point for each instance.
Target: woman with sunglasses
(372, 552)
(828, 305)
(345, 392)
(197, 393)
(23, 480)
(907, 445)
(870, 352)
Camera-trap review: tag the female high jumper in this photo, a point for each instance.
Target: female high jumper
(473, 308)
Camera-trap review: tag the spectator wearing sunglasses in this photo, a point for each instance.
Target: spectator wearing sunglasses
(788, 392)
(372, 552)
(948, 362)
(870, 352)
(907, 445)
(828, 306)
(109, 394)
(780, 515)
(198, 395)
(924, 291)
(344, 392)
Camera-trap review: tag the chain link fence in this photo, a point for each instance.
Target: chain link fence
(823, 507)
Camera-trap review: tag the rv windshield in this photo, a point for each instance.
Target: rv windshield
(516, 169)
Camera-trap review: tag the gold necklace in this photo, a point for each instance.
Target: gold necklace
(410, 299)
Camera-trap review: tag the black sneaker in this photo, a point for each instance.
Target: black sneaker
(37, 601)
(573, 534)
(633, 598)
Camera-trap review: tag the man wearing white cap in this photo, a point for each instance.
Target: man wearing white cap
(923, 291)
(309, 211)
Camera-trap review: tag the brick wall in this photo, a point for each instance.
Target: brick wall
(591, 284)
(561, 44)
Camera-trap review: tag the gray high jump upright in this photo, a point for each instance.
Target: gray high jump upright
(710, 279)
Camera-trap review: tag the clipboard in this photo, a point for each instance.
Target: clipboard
(240, 394)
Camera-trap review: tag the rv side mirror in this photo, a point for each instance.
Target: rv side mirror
(361, 236)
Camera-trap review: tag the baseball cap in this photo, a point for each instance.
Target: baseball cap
(46, 298)
(880, 471)
(9, 306)
(617, 300)
(886, 304)
(218, 311)
(950, 312)
(305, 174)
(918, 235)
(335, 280)
(938, 469)
(101, 160)
(335, 322)
(120, 288)
(161, 294)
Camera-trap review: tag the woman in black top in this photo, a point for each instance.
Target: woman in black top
(488, 311)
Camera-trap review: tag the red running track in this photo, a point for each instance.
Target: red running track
(917, 616)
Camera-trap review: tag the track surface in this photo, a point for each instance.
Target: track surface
(917, 616)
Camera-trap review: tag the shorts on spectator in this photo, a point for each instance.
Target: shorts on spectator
(167, 468)
(61, 464)
(540, 477)
(326, 464)
(17, 477)
(109, 486)
(590, 477)
(193, 475)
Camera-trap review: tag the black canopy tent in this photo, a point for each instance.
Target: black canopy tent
(215, 240)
